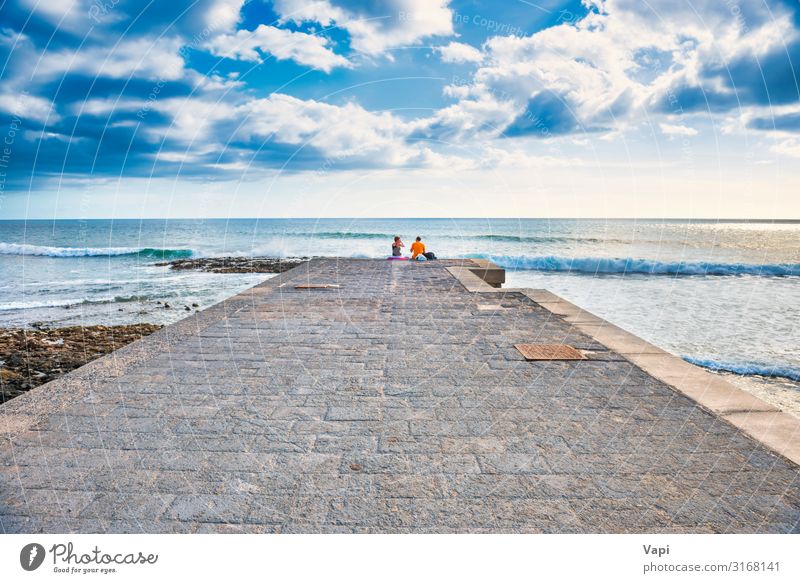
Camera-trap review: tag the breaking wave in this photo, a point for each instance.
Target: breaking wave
(629, 265)
(340, 235)
(787, 372)
(69, 303)
(541, 239)
(149, 252)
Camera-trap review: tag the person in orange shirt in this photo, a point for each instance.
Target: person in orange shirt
(417, 248)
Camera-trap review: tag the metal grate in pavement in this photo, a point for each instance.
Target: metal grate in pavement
(549, 352)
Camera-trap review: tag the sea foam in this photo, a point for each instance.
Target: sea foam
(629, 265)
(38, 250)
(746, 368)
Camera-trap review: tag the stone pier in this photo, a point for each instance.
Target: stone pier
(388, 396)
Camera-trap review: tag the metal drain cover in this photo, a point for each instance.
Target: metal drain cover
(549, 352)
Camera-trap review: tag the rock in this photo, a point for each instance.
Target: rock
(195, 305)
(236, 264)
(33, 356)
(166, 305)
(9, 375)
(187, 308)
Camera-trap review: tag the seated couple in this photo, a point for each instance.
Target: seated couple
(417, 250)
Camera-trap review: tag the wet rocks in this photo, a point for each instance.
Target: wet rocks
(236, 264)
(31, 357)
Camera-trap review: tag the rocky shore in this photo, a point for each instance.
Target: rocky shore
(32, 357)
(236, 264)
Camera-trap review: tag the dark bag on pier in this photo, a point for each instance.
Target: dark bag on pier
(429, 255)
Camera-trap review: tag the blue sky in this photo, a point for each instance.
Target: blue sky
(399, 108)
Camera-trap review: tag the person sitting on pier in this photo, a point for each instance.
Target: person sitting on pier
(397, 247)
(417, 248)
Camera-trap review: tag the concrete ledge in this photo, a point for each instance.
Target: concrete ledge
(470, 280)
(489, 272)
(777, 430)
(623, 341)
(765, 423)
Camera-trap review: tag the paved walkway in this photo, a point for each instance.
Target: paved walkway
(394, 403)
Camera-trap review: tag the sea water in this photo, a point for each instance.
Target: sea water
(723, 295)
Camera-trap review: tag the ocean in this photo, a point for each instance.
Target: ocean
(722, 294)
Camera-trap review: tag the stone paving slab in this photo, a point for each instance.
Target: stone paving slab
(777, 430)
(393, 403)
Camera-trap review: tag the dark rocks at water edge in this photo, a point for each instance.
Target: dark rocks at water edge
(29, 358)
(236, 264)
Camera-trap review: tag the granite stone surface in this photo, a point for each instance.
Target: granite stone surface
(393, 403)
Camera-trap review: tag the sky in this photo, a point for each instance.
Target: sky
(399, 108)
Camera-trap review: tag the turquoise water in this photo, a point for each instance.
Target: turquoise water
(725, 295)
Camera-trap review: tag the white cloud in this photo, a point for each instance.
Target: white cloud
(345, 134)
(346, 131)
(321, 11)
(374, 29)
(25, 106)
(493, 157)
(339, 132)
(676, 130)
(85, 16)
(143, 57)
(192, 118)
(481, 117)
(222, 14)
(790, 148)
(101, 106)
(300, 47)
(76, 16)
(213, 82)
(614, 68)
(459, 53)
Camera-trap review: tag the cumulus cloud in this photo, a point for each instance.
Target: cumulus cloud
(306, 49)
(621, 63)
(676, 130)
(345, 132)
(374, 27)
(68, 15)
(81, 17)
(156, 58)
(459, 53)
(191, 119)
(619, 67)
(27, 106)
(221, 15)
